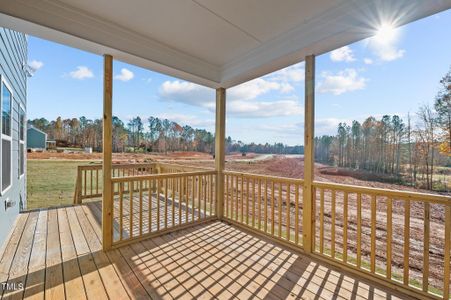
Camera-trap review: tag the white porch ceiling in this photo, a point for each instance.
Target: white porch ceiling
(210, 42)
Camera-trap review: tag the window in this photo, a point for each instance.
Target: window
(21, 141)
(6, 148)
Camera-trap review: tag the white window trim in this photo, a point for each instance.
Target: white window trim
(5, 137)
(22, 142)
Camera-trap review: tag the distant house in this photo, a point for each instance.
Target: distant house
(13, 103)
(36, 139)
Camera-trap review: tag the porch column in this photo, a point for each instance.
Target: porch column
(107, 205)
(219, 149)
(309, 121)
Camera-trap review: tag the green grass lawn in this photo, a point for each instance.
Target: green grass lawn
(51, 182)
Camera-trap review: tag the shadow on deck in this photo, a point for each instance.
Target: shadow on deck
(57, 253)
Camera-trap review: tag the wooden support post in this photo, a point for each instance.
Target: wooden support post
(220, 149)
(308, 201)
(107, 203)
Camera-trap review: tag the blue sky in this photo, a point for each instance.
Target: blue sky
(392, 73)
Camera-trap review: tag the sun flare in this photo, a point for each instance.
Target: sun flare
(386, 34)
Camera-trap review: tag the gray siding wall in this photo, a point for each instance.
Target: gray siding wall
(36, 139)
(13, 54)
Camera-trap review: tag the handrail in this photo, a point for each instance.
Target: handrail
(182, 167)
(270, 177)
(408, 195)
(160, 176)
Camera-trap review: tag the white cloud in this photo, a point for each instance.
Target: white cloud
(368, 61)
(388, 52)
(190, 120)
(344, 81)
(36, 65)
(125, 75)
(263, 109)
(188, 93)
(294, 73)
(82, 72)
(342, 54)
(241, 100)
(323, 126)
(385, 44)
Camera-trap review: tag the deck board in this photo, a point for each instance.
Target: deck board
(57, 253)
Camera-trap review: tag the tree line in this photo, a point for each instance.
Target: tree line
(151, 135)
(414, 151)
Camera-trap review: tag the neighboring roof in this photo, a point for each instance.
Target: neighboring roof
(211, 42)
(30, 127)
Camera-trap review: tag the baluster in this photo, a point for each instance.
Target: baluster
(321, 221)
(359, 230)
(242, 191)
(279, 207)
(345, 227)
(173, 201)
(131, 186)
(150, 199)
(253, 202)
(205, 185)
(179, 184)
(193, 195)
(226, 198)
(373, 234)
(332, 228)
(236, 198)
(97, 181)
(296, 219)
(85, 174)
(211, 194)
(272, 208)
(121, 210)
(158, 203)
(406, 241)
(447, 251)
(389, 235)
(247, 200)
(166, 183)
(140, 207)
(288, 210)
(266, 205)
(199, 197)
(186, 190)
(426, 246)
(259, 204)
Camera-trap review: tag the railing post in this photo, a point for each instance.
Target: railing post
(220, 149)
(107, 203)
(309, 120)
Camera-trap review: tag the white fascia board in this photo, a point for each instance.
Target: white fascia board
(49, 21)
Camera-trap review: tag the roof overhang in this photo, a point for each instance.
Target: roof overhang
(211, 42)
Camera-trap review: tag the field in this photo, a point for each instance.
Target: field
(51, 176)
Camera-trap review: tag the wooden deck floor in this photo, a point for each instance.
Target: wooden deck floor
(56, 254)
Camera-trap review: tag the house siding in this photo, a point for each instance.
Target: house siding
(36, 139)
(13, 55)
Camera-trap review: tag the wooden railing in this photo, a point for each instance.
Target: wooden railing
(88, 184)
(395, 237)
(146, 205)
(400, 237)
(266, 204)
